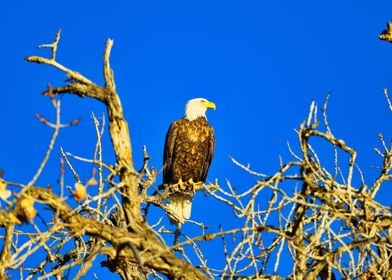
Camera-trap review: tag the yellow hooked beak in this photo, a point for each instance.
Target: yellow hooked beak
(210, 105)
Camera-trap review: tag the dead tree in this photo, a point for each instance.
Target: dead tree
(316, 216)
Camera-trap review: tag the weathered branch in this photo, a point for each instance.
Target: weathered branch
(118, 126)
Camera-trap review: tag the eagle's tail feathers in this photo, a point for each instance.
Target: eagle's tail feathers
(181, 205)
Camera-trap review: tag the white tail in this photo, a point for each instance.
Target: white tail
(181, 205)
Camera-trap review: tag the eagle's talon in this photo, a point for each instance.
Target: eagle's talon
(179, 186)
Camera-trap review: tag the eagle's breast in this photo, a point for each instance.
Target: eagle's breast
(191, 150)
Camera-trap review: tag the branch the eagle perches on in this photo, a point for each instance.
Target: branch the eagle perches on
(137, 233)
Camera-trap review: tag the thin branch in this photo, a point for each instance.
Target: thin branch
(51, 145)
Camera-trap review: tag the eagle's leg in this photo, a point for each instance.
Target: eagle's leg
(195, 185)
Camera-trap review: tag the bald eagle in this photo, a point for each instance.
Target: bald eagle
(189, 147)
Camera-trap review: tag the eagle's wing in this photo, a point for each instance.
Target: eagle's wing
(210, 153)
(168, 152)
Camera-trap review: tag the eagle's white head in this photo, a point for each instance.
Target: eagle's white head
(197, 107)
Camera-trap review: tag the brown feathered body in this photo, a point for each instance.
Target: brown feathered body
(188, 152)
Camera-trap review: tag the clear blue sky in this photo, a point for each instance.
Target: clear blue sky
(261, 62)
